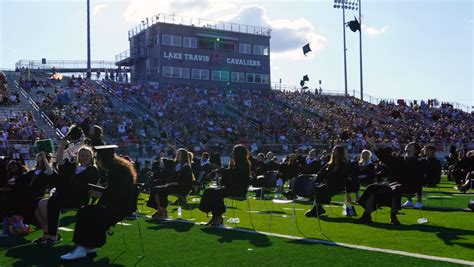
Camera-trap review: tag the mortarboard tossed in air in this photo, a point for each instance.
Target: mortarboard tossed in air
(354, 25)
(106, 151)
(302, 83)
(306, 49)
(306, 78)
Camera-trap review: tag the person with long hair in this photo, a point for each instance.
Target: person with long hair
(30, 187)
(332, 179)
(234, 182)
(406, 177)
(180, 185)
(364, 171)
(14, 170)
(432, 165)
(72, 192)
(95, 136)
(93, 221)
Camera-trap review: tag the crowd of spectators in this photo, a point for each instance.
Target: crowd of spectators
(7, 97)
(196, 115)
(203, 117)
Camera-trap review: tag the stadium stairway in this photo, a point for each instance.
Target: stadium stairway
(27, 104)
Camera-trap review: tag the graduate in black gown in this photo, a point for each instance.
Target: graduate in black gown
(332, 179)
(363, 171)
(72, 191)
(234, 182)
(406, 177)
(92, 221)
(181, 185)
(27, 189)
(432, 166)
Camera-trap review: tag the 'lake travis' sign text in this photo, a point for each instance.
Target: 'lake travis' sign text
(204, 58)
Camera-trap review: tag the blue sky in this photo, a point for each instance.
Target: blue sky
(412, 49)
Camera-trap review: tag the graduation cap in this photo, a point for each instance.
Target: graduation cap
(306, 49)
(106, 151)
(301, 83)
(74, 133)
(306, 78)
(354, 25)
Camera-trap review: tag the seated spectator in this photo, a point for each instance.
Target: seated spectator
(72, 191)
(364, 171)
(407, 178)
(29, 188)
(432, 173)
(234, 182)
(93, 221)
(181, 185)
(331, 180)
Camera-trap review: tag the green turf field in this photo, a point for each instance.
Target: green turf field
(448, 233)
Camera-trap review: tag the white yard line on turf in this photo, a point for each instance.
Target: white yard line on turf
(339, 244)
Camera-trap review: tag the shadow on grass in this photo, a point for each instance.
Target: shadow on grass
(40, 255)
(228, 236)
(67, 220)
(448, 235)
(187, 206)
(177, 226)
(12, 241)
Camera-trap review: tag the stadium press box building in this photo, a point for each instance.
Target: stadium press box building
(172, 50)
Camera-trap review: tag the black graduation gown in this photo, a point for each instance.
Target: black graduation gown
(362, 174)
(289, 171)
(92, 221)
(235, 182)
(331, 181)
(312, 168)
(407, 171)
(432, 168)
(29, 188)
(73, 189)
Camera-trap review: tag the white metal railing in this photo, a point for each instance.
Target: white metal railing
(198, 22)
(122, 56)
(64, 64)
(368, 98)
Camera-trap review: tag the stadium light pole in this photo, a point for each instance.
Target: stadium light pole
(89, 71)
(342, 5)
(360, 51)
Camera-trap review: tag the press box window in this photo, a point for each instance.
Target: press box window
(205, 44)
(245, 48)
(238, 77)
(220, 75)
(171, 40)
(175, 72)
(167, 72)
(260, 50)
(265, 79)
(189, 42)
(250, 78)
(199, 74)
(228, 47)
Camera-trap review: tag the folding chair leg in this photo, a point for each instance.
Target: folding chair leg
(140, 235)
(376, 212)
(293, 216)
(250, 213)
(234, 206)
(270, 223)
(319, 221)
(190, 208)
(123, 236)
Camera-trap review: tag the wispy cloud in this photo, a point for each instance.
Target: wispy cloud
(97, 10)
(288, 36)
(375, 32)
